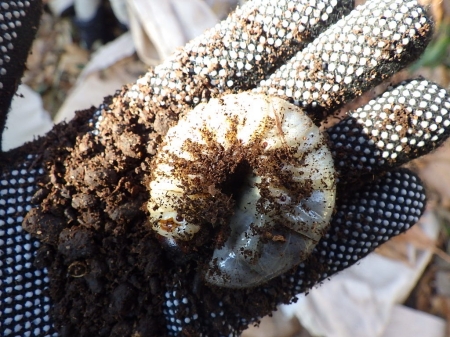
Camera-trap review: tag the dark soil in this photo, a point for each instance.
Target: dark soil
(108, 270)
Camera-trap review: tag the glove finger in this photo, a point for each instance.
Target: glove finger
(24, 305)
(379, 211)
(236, 54)
(405, 122)
(361, 50)
(18, 23)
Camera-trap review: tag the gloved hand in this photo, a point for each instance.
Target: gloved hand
(82, 190)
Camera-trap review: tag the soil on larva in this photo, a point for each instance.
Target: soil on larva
(108, 270)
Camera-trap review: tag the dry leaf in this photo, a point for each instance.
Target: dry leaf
(398, 248)
(434, 170)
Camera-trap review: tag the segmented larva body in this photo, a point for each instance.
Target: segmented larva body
(283, 203)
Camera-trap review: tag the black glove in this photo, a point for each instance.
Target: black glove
(83, 189)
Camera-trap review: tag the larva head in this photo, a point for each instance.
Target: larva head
(173, 225)
(275, 216)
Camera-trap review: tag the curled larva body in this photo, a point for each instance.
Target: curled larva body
(282, 205)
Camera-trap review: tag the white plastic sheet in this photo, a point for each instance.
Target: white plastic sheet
(27, 119)
(165, 25)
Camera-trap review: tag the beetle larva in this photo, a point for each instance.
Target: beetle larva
(284, 204)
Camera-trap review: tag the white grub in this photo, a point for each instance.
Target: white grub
(284, 204)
